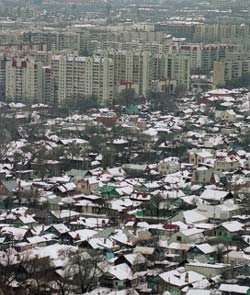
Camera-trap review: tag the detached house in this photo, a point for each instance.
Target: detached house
(175, 280)
(226, 164)
(169, 165)
(197, 157)
(188, 236)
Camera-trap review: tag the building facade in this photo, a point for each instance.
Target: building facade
(75, 76)
(23, 80)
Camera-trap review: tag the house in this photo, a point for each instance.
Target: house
(64, 215)
(108, 192)
(207, 269)
(201, 292)
(215, 196)
(57, 230)
(168, 166)
(135, 169)
(177, 251)
(229, 116)
(227, 230)
(14, 235)
(188, 236)
(42, 216)
(76, 174)
(150, 253)
(24, 174)
(136, 261)
(226, 164)
(117, 277)
(221, 212)
(65, 189)
(202, 252)
(25, 219)
(233, 289)
(191, 217)
(77, 237)
(197, 157)
(88, 207)
(87, 185)
(175, 280)
(205, 176)
(8, 187)
(236, 258)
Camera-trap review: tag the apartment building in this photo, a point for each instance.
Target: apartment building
(220, 32)
(68, 40)
(8, 37)
(230, 4)
(2, 76)
(203, 56)
(47, 85)
(75, 76)
(23, 80)
(171, 66)
(54, 41)
(228, 70)
(143, 67)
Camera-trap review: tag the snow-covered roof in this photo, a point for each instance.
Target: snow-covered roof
(180, 277)
(213, 195)
(234, 288)
(232, 226)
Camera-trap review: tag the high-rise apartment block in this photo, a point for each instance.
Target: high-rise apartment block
(203, 56)
(229, 70)
(143, 67)
(2, 76)
(75, 76)
(23, 80)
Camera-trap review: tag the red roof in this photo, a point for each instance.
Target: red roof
(171, 227)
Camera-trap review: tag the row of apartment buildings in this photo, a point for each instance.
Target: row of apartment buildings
(103, 75)
(233, 67)
(77, 39)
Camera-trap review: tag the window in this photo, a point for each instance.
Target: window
(178, 238)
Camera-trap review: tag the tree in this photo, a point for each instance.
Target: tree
(180, 90)
(80, 274)
(39, 275)
(108, 157)
(40, 155)
(8, 268)
(154, 206)
(243, 81)
(126, 97)
(80, 103)
(162, 101)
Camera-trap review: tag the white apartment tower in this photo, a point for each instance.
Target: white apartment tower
(142, 67)
(23, 80)
(76, 76)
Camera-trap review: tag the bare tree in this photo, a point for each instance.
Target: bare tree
(81, 273)
(39, 275)
(8, 267)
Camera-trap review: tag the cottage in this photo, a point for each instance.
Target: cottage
(233, 289)
(202, 252)
(199, 157)
(168, 166)
(176, 280)
(215, 196)
(117, 277)
(136, 261)
(188, 236)
(226, 164)
(207, 269)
